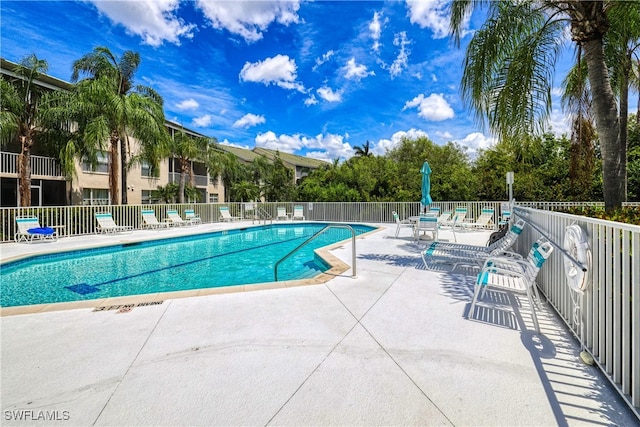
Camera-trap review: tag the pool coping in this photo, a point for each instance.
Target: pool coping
(336, 268)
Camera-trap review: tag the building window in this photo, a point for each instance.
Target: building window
(213, 198)
(95, 196)
(146, 170)
(146, 197)
(101, 167)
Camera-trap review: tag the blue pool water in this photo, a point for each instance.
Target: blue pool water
(222, 258)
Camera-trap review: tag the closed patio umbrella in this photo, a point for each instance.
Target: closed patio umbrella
(426, 184)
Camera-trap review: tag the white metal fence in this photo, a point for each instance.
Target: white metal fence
(608, 323)
(79, 220)
(610, 308)
(550, 206)
(40, 166)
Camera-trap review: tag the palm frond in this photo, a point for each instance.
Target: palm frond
(508, 70)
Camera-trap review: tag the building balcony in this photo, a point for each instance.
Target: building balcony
(198, 180)
(41, 167)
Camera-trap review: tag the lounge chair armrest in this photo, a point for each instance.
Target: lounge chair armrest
(505, 260)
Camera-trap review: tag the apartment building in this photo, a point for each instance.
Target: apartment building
(89, 186)
(301, 166)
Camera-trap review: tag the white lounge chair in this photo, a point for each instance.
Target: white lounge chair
(282, 213)
(29, 228)
(504, 218)
(485, 219)
(106, 224)
(404, 223)
(433, 212)
(516, 275)
(226, 216)
(174, 218)
(298, 213)
(458, 254)
(458, 218)
(191, 216)
(426, 224)
(444, 218)
(149, 220)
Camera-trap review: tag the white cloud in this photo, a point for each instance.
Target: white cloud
(430, 14)
(233, 144)
(325, 57)
(559, 122)
(249, 19)
(202, 122)
(311, 100)
(284, 143)
(444, 135)
(375, 26)
(153, 20)
(328, 147)
(249, 120)
(356, 71)
(476, 141)
(322, 146)
(402, 60)
(187, 104)
(279, 70)
(434, 107)
(329, 94)
(385, 145)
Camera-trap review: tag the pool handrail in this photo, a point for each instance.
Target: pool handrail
(303, 244)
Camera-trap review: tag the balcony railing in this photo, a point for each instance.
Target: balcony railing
(40, 166)
(199, 180)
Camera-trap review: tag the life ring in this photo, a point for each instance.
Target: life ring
(576, 245)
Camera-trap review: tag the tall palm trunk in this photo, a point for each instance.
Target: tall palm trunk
(184, 170)
(24, 170)
(624, 117)
(614, 157)
(124, 149)
(113, 168)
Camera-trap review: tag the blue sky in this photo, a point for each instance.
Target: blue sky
(311, 78)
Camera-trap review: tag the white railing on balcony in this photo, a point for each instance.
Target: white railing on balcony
(40, 166)
(199, 180)
(610, 308)
(608, 321)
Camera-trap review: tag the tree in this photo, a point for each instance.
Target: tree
(509, 63)
(19, 117)
(245, 191)
(231, 171)
(278, 183)
(451, 178)
(167, 193)
(363, 151)
(112, 109)
(186, 148)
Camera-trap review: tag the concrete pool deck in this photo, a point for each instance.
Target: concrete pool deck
(389, 347)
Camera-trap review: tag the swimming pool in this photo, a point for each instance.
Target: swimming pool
(216, 259)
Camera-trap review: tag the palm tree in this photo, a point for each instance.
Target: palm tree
(231, 171)
(185, 149)
(19, 116)
(509, 63)
(363, 151)
(113, 110)
(245, 191)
